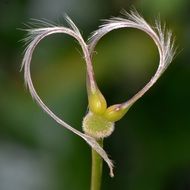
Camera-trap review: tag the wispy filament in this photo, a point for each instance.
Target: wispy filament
(161, 38)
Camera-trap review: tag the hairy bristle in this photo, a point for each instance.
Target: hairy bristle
(161, 37)
(33, 38)
(39, 29)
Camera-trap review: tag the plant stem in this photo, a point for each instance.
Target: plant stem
(96, 173)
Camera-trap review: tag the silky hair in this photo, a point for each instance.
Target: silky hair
(161, 37)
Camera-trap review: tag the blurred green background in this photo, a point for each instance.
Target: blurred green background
(150, 145)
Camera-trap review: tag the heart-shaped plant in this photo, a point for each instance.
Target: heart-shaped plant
(99, 121)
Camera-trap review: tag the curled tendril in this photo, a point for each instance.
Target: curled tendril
(34, 37)
(161, 38)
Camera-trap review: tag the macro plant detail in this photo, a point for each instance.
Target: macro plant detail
(100, 120)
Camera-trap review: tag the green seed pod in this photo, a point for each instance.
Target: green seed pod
(115, 112)
(97, 126)
(97, 103)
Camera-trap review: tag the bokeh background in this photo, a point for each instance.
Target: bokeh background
(150, 145)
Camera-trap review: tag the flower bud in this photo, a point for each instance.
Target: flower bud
(115, 112)
(97, 102)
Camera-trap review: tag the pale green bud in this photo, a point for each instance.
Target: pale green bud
(97, 102)
(115, 112)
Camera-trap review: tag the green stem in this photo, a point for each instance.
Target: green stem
(96, 174)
